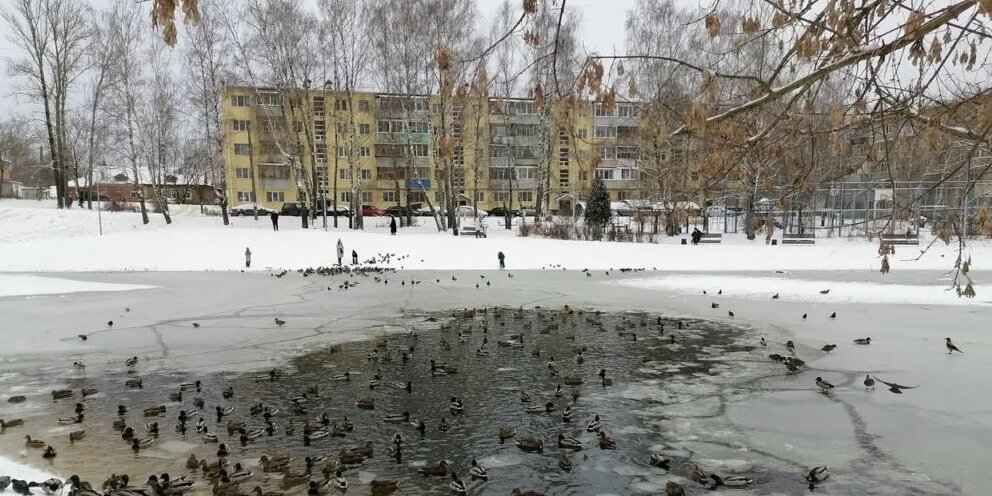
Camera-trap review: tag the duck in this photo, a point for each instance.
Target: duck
(76, 436)
(593, 425)
(33, 443)
(827, 348)
(506, 433)
(201, 425)
(89, 392)
(383, 487)
(135, 383)
(239, 474)
(246, 435)
(342, 377)
(366, 404)
(564, 463)
(825, 386)
(61, 394)
(127, 433)
(566, 414)
(257, 491)
(316, 488)
(790, 345)
(131, 363)
(234, 426)
(658, 460)
(546, 408)
(274, 464)
(869, 382)
(438, 470)
(346, 424)
(455, 405)
(457, 486)
(524, 397)
(442, 425)
(154, 411)
(5, 424)
(732, 481)
(531, 445)
(397, 418)
(569, 443)
(17, 399)
(607, 381)
(222, 450)
(605, 442)
(340, 482)
(863, 341)
(78, 419)
(140, 444)
(673, 489)
(186, 416)
(573, 380)
(518, 492)
(228, 393)
(315, 435)
(152, 428)
(817, 474)
(477, 472)
(192, 463)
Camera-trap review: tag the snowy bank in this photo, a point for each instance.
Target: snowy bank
(37, 239)
(26, 285)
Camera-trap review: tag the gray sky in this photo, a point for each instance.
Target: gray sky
(602, 23)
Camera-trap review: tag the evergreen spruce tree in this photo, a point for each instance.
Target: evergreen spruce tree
(598, 207)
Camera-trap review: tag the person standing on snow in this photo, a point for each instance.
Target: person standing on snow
(247, 257)
(392, 225)
(502, 260)
(275, 220)
(354, 257)
(340, 251)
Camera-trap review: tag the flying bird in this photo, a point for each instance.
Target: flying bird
(730, 313)
(864, 341)
(763, 342)
(83, 337)
(110, 323)
(196, 324)
(790, 345)
(714, 305)
(896, 388)
(825, 291)
(775, 296)
(828, 347)
(833, 315)
(804, 316)
(279, 322)
(950, 346)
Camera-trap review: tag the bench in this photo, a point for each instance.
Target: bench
(711, 238)
(896, 239)
(799, 239)
(472, 231)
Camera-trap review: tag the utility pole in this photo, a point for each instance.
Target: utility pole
(251, 172)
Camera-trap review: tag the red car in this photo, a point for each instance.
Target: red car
(370, 211)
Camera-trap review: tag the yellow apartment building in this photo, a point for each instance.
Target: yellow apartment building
(292, 146)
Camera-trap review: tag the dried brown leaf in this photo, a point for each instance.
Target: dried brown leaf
(712, 25)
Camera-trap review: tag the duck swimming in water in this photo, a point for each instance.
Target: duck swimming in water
(569, 443)
(593, 425)
(477, 472)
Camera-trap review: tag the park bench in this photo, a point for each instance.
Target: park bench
(798, 239)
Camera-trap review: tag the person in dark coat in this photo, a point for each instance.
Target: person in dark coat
(247, 258)
(340, 251)
(354, 257)
(275, 220)
(502, 260)
(696, 236)
(392, 225)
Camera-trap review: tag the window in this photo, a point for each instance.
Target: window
(526, 172)
(602, 112)
(342, 128)
(480, 196)
(419, 127)
(419, 150)
(363, 106)
(320, 153)
(606, 131)
(275, 196)
(318, 105)
(364, 151)
(346, 196)
(243, 173)
(364, 129)
(582, 133)
(366, 197)
(623, 195)
(583, 175)
(322, 178)
(340, 104)
(366, 174)
(500, 173)
(246, 197)
(604, 174)
(240, 125)
(627, 110)
(239, 101)
(269, 99)
(242, 149)
(607, 152)
(501, 196)
(525, 196)
(389, 196)
(342, 151)
(626, 152)
(383, 126)
(135, 193)
(344, 173)
(628, 174)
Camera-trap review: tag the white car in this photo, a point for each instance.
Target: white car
(467, 211)
(249, 209)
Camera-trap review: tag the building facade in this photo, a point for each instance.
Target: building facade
(294, 146)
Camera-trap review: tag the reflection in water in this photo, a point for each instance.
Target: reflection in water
(453, 389)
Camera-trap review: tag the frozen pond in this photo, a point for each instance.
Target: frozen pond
(711, 399)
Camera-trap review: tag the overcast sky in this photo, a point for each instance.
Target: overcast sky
(602, 32)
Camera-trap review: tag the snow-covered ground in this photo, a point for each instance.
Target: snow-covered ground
(28, 285)
(35, 237)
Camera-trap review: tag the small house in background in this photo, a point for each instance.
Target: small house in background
(120, 187)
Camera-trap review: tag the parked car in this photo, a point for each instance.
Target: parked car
(291, 209)
(468, 211)
(249, 209)
(502, 211)
(401, 211)
(370, 211)
(342, 210)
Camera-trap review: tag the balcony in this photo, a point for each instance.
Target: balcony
(403, 138)
(401, 162)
